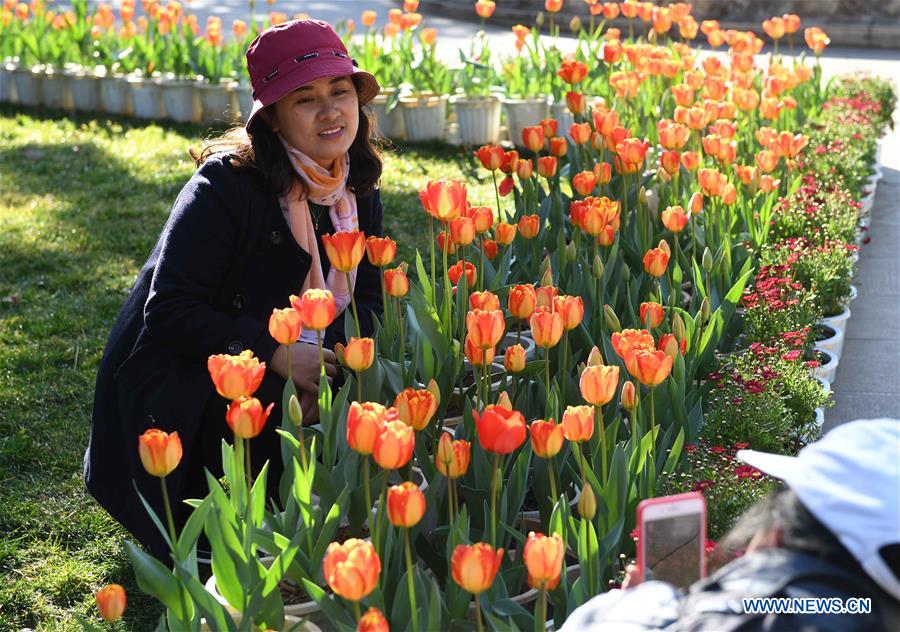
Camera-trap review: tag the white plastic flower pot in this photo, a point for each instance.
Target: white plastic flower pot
(29, 84)
(424, 117)
(478, 119)
(6, 89)
(564, 118)
(84, 86)
(838, 322)
(522, 113)
(218, 101)
(867, 202)
(509, 339)
(181, 100)
(56, 93)
(244, 93)
(115, 95)
(532, 519)
(834, 344)
(294, 614)
(390, 125)
(146, 98)
(828, 368)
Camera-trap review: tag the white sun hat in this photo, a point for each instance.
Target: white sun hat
(850, 481)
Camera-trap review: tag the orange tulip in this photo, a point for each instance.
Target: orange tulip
(690, 160)
(580, 133)
(628, 396)
(453, 457)
(584, 182)
(816, 39)
(110, 602)
(394, 445)
(491, 156)
(652, 312)
(462, 230)
(544, 560)
(476, 355)
(578, 423)
(522, 301)
(570, 310)
(525, 169)
(598, 384)
(456, 271)
(236, 376)
(160, 451)
(485, 8)
(545, 295)
(483, 217)
(368, 18)
(500, 430)
(444, 199)
(246, 417)
(533, 138)
(405, 505)
(550, 127)
(546, 327)
(474, 566)
(358, 355)
(317, 308)
(285, 326)
(352, 568)
(381, 250)
(791, 22)
(652, 367)
(364, 423)
(395, 282)
(546, 438)
(345, 249)
(729, 194)
(547, 165)
(485, 301)
(669, 345)
(506, 233)
(529, 226)
(514, 359)
(575, 101)
(655, 262)
(373, 621)
(628, 342)
(695, 205)
(485, 327)
(670, 161)
(415, 407)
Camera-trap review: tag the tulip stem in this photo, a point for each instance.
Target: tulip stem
(497, 195)
(357, 611)
(169, 519)
(384, 298)
(598, 423)
(553, 492)
(353, 304)
(547, 376)
(652, 422)
(581, 464)
(478, 621)
(494, 492)
(565, 368)
(481, 267)
(409, 581)
(368, 492)
(450, 505)
(448, 300)
(375, 534)
(433, 279)
(542, 610)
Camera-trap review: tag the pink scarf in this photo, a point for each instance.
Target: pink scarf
(328, 189)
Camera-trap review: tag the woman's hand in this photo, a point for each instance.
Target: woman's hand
(304, 366)
(309, 404)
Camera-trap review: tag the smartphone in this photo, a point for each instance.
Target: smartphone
(672, 538)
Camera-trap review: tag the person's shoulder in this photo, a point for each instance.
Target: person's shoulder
(369, 200)
(226, 166)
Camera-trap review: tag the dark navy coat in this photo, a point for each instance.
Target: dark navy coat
(224, 260)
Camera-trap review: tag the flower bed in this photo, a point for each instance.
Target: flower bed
(653, 258)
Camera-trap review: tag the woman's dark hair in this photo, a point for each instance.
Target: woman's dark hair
(799, 529)
(260, 148)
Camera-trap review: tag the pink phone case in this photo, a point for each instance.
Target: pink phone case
(666, 500)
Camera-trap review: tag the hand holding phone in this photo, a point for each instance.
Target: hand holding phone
(672, 540)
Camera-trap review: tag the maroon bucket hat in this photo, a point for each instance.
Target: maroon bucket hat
(289, 55)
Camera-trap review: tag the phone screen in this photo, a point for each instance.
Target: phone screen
(672, 549)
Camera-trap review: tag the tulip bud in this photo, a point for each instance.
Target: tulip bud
(595, 358)
(575, 24)
(504, 401)
(294, 411)
(571, 252)
(628, 396)
(539, 19)
(642, 197)
(678, 327)
(587, 504)
(547, 271)
(435, 390)
(611, 320)
(707, 259)
(498, 478)
(704, 310)
(626, 274)
(597, 268)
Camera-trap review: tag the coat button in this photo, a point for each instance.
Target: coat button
(275, 237)
(235, 347)
(238, 301)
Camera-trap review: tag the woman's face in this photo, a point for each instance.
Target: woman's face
(320, 118)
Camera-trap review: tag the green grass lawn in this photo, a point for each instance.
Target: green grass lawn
(82, 201)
